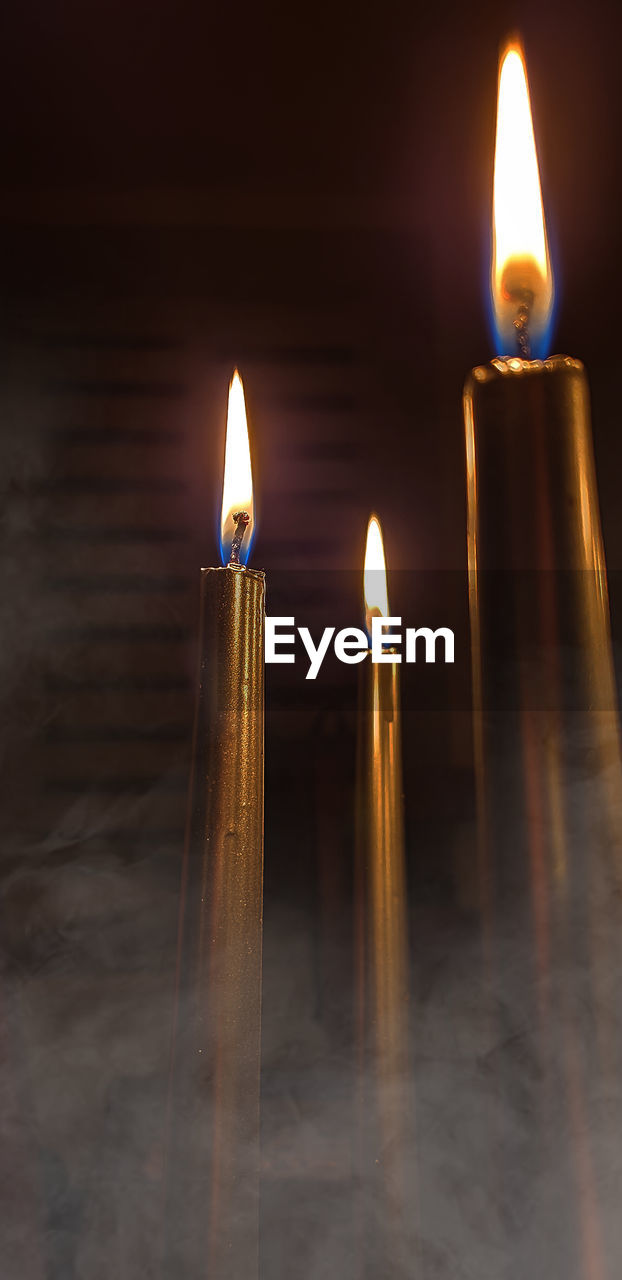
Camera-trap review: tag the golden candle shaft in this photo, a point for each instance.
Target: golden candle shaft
(382, 936)
(529, 441)
(385, 862)
(541, 650)
(214, 1171)
(547, 758)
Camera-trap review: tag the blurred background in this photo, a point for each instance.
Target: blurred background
(304, 192)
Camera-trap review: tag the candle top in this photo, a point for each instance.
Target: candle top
(509, 366)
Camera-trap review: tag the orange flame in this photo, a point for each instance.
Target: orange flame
(375, 574)
(521, 271)
(237, 491)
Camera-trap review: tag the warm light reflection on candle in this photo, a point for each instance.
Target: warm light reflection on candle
(382, 957)
(521, 270)
(237, 493)
(375, 574)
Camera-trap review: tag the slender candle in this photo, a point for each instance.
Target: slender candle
(382, 929)
(214, 1169)
(542, 670)
(547, 757)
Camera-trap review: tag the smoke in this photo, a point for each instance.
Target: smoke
(512, 1108)
(512, 1156)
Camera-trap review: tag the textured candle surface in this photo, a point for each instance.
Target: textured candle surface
(384, 1090)
(547, 761)
(214, 1171)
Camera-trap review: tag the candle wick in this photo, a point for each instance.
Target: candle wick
(521, 325)
(241, 519)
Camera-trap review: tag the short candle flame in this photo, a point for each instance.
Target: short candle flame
(521, 277)
(237, 491)
(375, 575)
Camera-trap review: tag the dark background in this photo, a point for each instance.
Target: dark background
(304, 192)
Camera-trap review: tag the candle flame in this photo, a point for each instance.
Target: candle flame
(375, 574)
(237, 491)
(521, 273)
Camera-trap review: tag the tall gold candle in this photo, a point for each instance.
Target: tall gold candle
(547, 757)
(213, 1175)
(541, 650)
(382, 927)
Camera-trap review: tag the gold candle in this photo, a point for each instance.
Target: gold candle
(547, 757)
(213, 1177)
(543, 686)
(382, 962)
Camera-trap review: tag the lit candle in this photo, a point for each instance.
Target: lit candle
(214, 1168)
(382, 930)
(542, 670)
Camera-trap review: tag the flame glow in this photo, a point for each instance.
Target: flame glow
(375, 574)
(237, 490)
(521, 269)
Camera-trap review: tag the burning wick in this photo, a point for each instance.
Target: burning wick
(242, 520)
(521, 325)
